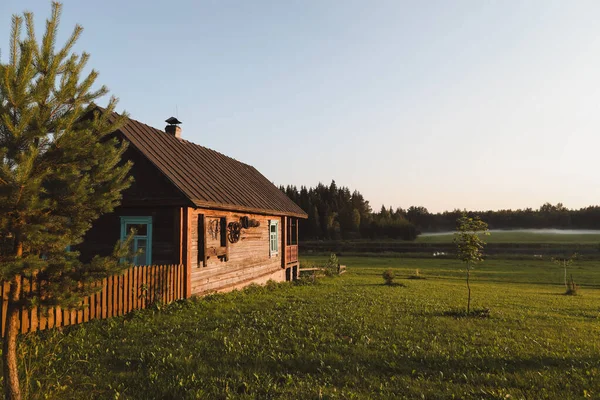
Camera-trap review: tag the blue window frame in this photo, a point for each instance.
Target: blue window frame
(141, 245)
(273, 238)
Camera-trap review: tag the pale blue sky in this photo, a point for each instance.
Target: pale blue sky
(444, 104)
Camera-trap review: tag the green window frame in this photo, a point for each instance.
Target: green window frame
(142, 240)
(273, 238)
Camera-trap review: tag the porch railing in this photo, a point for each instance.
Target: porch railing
(291, 254)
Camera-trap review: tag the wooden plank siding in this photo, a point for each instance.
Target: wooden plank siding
(246, 261)
(136, 288)
(106, 232)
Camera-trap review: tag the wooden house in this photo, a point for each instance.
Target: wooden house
(221, 219)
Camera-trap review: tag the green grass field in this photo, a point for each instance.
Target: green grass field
(520, 237)
(347, 337)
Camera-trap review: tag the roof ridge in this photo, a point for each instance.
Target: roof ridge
(207, 176)
(187, 141)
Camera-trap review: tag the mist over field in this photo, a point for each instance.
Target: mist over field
(533, 231)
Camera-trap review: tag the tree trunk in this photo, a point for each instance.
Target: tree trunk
(566, 283)
(469, 290)
(12, 390)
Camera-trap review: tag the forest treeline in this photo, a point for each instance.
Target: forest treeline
(336, 213)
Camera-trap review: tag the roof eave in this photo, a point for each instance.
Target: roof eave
(253, 210)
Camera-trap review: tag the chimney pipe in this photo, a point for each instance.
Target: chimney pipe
(173, 130)
(173, 127)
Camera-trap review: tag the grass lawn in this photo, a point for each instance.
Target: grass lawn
(348, 337)
(520, 237)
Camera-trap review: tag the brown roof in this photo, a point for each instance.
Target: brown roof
(208, 178)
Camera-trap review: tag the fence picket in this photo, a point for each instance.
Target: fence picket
(126, 293)
(134, 289)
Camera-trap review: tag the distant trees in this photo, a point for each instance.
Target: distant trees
(547, 216)
(336, 213)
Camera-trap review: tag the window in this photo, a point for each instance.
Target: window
(292, 231)
(223, 227)
(141, 245)
(273, 238)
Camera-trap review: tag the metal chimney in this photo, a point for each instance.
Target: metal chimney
(173, 128)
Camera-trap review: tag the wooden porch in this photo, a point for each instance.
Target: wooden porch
(291, 254)
(290, 241)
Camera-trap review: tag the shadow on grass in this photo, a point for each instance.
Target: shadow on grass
(376, 285)
(341, 371)
(393, 284)
(480, 313)
(483, 279)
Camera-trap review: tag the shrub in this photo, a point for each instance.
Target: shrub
(388, 277)
(332, 265)
(333, 261)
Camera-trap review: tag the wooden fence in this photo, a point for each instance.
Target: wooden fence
(135, 289)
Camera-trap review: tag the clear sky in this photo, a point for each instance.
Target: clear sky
(444, 104)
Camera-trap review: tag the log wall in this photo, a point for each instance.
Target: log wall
(106, 231)
(239, 264)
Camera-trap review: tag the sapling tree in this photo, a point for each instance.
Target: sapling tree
(565, 262)
(469, 244)
(59, 171)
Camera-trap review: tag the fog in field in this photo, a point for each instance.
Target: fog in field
(544, 231)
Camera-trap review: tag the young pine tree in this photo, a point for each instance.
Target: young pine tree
(59, 171)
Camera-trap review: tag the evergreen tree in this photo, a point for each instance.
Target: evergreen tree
(355, 220)
(59, 171)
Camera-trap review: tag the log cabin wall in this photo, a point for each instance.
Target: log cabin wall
(106, 231)
(150, 194)
(216, 269)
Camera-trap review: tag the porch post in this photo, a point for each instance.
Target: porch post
(185, 251)
(284, 230)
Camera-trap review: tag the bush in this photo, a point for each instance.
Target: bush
(388, 277)
(332, 265)
(333, 261)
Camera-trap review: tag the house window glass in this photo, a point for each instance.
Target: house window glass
(292, 232)
(273, 237)
(223, 230)
(141, 245)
